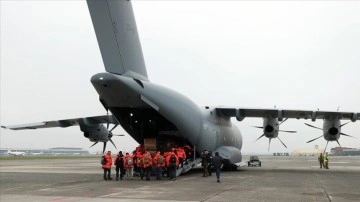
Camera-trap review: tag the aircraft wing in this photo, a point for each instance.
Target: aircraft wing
(241, 113)
(66, 123)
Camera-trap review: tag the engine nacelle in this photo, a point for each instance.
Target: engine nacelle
(271, 127)
(96, 133)
(332, 129)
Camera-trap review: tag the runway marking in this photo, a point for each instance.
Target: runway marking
(45, 189)
(58, 199)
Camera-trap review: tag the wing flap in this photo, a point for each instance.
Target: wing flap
(241, 113)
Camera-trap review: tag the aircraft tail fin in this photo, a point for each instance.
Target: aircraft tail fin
(118, 38)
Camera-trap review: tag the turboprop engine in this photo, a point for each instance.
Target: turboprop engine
(271, 129)
(99, 133)
(331, 131)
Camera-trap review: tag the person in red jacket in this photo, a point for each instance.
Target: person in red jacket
(180, 152)
(140, 164)
(147, 162)
(107, 166)
(129, 164)
(159, 162)
(172, 162)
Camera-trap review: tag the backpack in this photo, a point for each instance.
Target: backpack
(103, 160)
(160, 159)
(129, 161)
(173, 161)
(146, 159)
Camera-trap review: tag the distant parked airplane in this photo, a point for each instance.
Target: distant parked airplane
(9, 152)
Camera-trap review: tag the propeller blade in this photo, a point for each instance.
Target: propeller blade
(347, 135)
(259, 137)
(104, 147)
(269, 144)
(113, 128)
(282, 142)
(94, 144)
(313, 126)
(314, 139)
(283, 121)
(339, 145)
(258, 127)
(107, 125)
(344, 124)
(112, 143)
(326, 146)
(119, 135)
(288, 131)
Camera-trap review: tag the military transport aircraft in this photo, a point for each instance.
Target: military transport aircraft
(148, 111)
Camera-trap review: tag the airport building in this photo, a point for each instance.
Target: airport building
(337, 151)
(57, 151)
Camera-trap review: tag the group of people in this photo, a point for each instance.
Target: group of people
(208, 162)
(324, 161)
(142, 162)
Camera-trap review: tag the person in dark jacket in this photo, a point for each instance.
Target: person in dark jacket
(208, 160)
(204, 163)
(217, 162)
(119, 165)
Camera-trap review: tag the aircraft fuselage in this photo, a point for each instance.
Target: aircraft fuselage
(147, 110)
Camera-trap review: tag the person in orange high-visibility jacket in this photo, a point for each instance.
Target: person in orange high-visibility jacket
(159, 162)
(107, 166)
(173, 162)
(181, 155)
(189, 152)
(139, 163)
(147, 162)
(167, 158)
(166, 170)
(128, 165)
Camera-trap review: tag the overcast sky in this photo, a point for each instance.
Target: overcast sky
(292, 54)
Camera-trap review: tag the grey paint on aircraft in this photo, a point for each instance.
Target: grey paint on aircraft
(203, 128)
(118, 38)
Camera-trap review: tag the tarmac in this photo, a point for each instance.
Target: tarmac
(281, 178)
